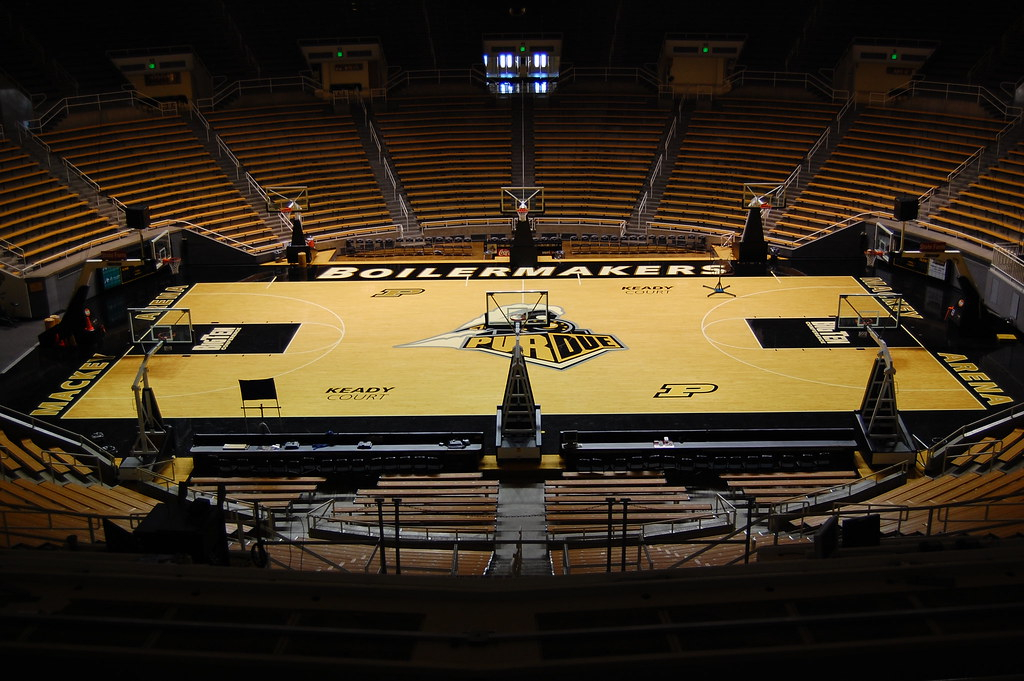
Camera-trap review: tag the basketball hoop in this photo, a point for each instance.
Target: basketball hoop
(173, 263)
(866, 324)
(522, 211)
(517, 319)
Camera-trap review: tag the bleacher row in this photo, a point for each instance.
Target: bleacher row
(593, 154)
(47, 496)
(989, 503)
(24, 459)
(989, 453)
(302, 145)
(737, 142)
(40, 216)
(160, 163)
(451, 155)
(887, 153)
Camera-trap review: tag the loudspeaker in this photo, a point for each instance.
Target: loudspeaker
(137, 217)
(193, 528)
(862, 531)
(904, 208)
(826, 538)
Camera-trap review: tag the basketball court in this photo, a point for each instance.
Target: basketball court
(371, 344)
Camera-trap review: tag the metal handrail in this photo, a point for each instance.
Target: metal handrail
(643, 543)
(238, 87)
(859, 217)
(78, 248)
(963, 449)
(93, 522)
(820, 144)
(468, 222)
(636, 74)
(776, 78)
(976, 429)
(962, 168)
(52, 430)
(99, 101)
(802, 502)
(620, 225)
(976, 93)
(322, 517)
(304, 548)
(1007, 259)
(403, 78)
(25, 134)
(938, 516)
(223, 149)
(723, 513)
(206, 231)
(16, 251)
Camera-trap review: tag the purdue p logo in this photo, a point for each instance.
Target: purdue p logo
(398, 292)
(685, 389)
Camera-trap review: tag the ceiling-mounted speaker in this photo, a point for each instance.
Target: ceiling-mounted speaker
(904, 208)
(137, 217)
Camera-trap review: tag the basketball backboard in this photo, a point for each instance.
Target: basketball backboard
(877, 310)
(151, 325)
(764, 194)
(514, 199)
(505, 308)
(288, 199)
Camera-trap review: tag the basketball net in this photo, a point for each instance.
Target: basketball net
(522, 211)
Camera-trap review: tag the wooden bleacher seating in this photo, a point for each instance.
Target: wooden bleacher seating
(989, 210)
(451, 154)
(578, 504)
(269, 492)
(22, 457)
(39, 215)
(160, 163)
(325, 557)
(709, 551)
(989, 452)
(768, 488)
(885, 153)
(304, 144)
(439, 505)
(910, 508)
(45, 512)
(738, 140)
(593, 154)
(431, 503)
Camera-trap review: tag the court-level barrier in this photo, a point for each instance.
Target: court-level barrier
(335, 453)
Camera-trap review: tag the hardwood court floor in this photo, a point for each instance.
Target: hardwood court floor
(361, 348)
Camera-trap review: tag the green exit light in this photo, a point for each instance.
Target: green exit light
(705, 49)
(340, 53)
(151, 65)
(894, 56)
(522, 48)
